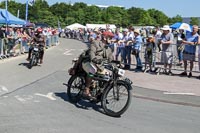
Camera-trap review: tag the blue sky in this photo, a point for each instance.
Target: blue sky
(185, 8)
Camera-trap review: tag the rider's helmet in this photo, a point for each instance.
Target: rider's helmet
(39, 30)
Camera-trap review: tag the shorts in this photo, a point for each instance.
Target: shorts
(166, 57)
(188, 56)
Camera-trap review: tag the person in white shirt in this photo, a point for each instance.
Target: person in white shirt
(157, 36)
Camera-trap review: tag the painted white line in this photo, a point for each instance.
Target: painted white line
(2, 104)
(179, 93)
(20, 99)
(36, 101)
(3, 89)
(68, 51)
(49, 95)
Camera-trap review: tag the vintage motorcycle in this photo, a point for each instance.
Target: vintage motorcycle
(113, 90)
(35, 56)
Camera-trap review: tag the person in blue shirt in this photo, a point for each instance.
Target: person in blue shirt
(137, 45)
(190, 49)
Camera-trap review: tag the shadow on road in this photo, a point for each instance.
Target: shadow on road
(25, 64)
(82, 104)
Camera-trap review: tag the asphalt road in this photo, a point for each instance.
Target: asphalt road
(35, 101)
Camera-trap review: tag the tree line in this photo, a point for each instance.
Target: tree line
(67, 13)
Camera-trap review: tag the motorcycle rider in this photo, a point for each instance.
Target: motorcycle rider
(38, 38)
(98, 51)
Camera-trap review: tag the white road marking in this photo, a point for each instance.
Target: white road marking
(2, 104)
(3, 89)
(36, 101)
(68, 51)
(24, 98)
(179, 93)
(49, 95)
(20, 99)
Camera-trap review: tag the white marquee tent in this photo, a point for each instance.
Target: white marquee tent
(92, 26)
(75, 26)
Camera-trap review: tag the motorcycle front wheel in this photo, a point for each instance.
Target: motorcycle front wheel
(75, 88)
(32, 61)
(116, 100)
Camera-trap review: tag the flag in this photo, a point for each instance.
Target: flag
(31, 2)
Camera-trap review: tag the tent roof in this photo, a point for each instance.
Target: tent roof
(92, 26)
(7, 18)
(75, 26)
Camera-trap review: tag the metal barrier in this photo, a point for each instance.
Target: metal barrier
(22, 46)
(159, 65)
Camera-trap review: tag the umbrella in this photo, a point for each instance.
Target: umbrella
(180, 25)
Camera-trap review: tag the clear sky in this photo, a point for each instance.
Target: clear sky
(185, 8)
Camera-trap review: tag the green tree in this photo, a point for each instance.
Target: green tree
(92, 15)
(82, 13)
(139, 16)
(175, 19)
(159, 18)
(115, 15)
(194, 21)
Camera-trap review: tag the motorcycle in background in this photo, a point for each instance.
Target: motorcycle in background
(35, 55)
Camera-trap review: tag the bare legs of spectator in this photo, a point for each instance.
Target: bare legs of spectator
(185, 68)
(170, 68)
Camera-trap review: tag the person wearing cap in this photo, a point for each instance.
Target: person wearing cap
(166, 41)
(137, 45)
(190, 49)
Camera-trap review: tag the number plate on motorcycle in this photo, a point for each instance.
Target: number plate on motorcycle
(121, 72)
(35, 49)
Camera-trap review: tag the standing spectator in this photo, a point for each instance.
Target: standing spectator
(2, 36)
(119, 46)
(166, 40)
(11, 39)
(137, 45)
(180, 46)
(199, 54)
(190, 49)
(157, 34)
(25, 38)
(150, 45)
(127, 40)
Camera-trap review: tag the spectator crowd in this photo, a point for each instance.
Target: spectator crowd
(149, 43)
(16, 40)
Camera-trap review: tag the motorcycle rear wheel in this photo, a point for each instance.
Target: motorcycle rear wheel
(75, 88)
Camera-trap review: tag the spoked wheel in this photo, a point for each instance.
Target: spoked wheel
(32, 62)
(75, 88)
(116, 100)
